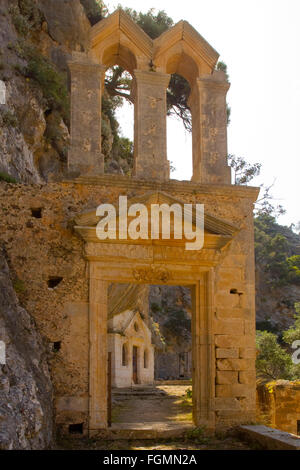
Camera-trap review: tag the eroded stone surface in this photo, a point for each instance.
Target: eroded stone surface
(26, 415)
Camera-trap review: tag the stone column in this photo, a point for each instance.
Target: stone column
(150, 126)
(97, 353)
(203, 352)
(209, 115)
(85, 155)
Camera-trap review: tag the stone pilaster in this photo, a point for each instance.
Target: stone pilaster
(85, 155)
(150, 128)
(97, 353)
(209, 115)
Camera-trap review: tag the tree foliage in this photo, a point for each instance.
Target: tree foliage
(95, 10)
(275, 251)
(153, 24)
(293, 333)
(243, 172)
(272, 361)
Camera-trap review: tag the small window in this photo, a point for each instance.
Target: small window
(36, 212)
(76, 428)
(124, 355)
(146, 359)
(54, 281)
(56, 346)
(136, 326)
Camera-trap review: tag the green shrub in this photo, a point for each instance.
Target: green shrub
(9, 119)
(95, 10)
(19, 286)
(26, 16)
(19, 21)
(7, 178)
(273, 361)
(293, 263)
(198, 435)
(51, 81)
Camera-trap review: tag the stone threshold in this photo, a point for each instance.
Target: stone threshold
(142, 431)
(269, 438)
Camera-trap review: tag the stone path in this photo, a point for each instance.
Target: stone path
(163, 403)
(162, 407)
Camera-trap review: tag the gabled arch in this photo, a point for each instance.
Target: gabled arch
(183, 50)
(182, 64)
(116, 54)
(118, 40)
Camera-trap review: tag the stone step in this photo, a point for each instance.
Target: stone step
(269, 438)
(136, 394)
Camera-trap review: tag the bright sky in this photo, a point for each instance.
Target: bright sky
(259, 40)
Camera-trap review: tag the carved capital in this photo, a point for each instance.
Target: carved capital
(152, 273)
(152, 78)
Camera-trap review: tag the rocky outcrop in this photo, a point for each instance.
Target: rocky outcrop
(170, 310)
(34, 135)
(67, 24)
(25, 387)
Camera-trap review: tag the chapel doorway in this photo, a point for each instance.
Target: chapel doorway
(135, 364)
(150, 343)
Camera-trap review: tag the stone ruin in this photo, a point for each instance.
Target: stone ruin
(64, 270)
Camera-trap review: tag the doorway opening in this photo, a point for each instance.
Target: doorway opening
(135, 354)
(150, 345)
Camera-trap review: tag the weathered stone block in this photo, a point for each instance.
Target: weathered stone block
(235, 364)
(234, 390)
(249, 327)
(227, 377)
(233, 341)
(229, 313)
(224, 353)
(247, 377)
(247, 353)
(229, 327)
(227, 404)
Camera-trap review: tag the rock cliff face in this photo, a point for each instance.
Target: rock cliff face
(37, 38)
(170, 309)
(25, 385)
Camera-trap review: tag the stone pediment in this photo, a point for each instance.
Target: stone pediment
(183, 33)
(120, 24)
(217, 231)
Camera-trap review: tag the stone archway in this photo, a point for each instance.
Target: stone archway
(153, 262)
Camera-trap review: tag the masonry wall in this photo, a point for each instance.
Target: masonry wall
(42, 249)
(278, 405)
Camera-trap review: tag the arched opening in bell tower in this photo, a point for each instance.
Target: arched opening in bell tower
(118, 109)
(184, 72)
(118, 121)
(179, 128)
